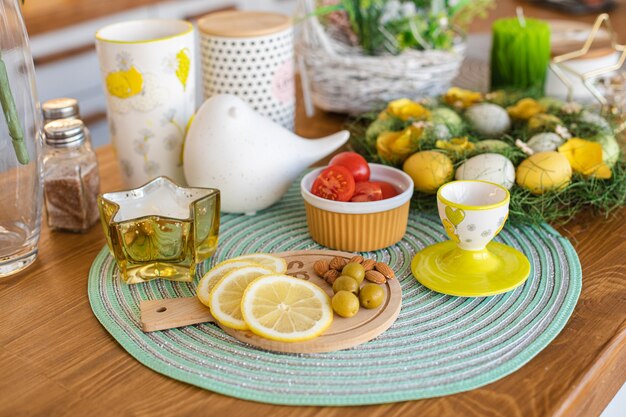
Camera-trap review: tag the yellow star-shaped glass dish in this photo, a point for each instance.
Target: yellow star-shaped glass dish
(160, 230)
(560, 68)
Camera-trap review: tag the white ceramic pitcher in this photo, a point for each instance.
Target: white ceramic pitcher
(249, 158)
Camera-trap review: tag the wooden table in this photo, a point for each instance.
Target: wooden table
(56, 359)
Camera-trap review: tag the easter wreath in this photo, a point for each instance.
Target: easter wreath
(556, 158)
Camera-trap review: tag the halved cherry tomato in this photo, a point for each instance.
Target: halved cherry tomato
(334, 183)
(367, 191)
(388, 189)
(356, 164)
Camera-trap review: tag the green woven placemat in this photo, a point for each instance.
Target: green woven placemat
(439, 345)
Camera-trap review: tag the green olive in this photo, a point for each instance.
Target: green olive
(355, 271)
(346, 283)
(372, 295)
(345, 304)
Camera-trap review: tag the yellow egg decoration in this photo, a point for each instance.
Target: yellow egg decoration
(544, 171)
(429, 170)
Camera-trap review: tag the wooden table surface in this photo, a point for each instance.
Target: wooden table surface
(56, 359)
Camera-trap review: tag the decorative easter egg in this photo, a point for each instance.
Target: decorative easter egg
(594, 119)
(543, 142)
(437, 132)
(544, 171)
(610, 147)
(492, 145)
(449, 118)
(429, 170)
(490, 167)
(488, 119)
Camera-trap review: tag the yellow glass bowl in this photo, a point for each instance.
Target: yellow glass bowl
(363, 226)
(160, 230)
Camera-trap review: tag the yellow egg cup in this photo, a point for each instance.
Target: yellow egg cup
(470, 265)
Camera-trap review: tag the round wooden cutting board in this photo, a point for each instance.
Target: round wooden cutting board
(343, 333)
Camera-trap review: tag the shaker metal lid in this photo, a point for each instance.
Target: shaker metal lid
(64, 132)
(60, 108)
(243, 24)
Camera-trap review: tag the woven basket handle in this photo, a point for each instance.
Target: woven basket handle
(305, 8)
(313, 30)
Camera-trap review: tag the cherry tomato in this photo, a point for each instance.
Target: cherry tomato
(356, 164)
(388, 189)
(334, 183)
(367, 191)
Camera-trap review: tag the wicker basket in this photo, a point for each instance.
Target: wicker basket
(339, 77)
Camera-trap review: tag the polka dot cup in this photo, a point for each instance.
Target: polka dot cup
(472, 212)
(250, 55)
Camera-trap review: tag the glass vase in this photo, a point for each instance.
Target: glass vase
(20, 145)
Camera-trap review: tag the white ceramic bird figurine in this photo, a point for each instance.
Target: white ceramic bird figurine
(249, 158)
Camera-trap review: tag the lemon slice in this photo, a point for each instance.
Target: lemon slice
(286, 309)
(276, 264)
(212, 277)
(225, 297)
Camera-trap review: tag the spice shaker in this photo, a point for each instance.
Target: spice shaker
(71, 179)
(60, 108)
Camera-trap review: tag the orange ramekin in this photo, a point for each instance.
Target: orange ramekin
(359, 227)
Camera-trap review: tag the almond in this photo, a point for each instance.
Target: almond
(375, 276)
(337, 263)
(356, 259)
(385, 269)
(368, 264)
(321, 267)
(331, 275)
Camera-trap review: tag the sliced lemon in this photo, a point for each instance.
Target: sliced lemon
(212, 277)
(225, 297)
(283, 308)
(276, 264)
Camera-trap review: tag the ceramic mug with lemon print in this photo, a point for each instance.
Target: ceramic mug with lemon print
(147, 69)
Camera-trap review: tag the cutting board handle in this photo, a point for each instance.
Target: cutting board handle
(172, 312)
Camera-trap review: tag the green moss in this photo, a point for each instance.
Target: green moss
(600, 196)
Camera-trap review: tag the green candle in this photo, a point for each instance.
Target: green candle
(520, 54)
